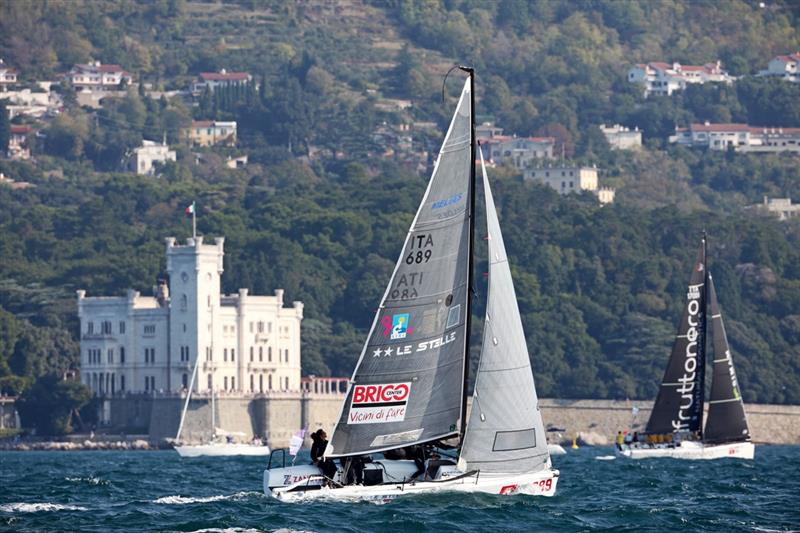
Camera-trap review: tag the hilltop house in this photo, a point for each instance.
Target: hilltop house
(210, 132)
(780, 207)
(571, 178)
(223, 78)
(663, 79)
(785, 67)
(739, 137)
(519, 152)
(622, 138)
(96, 76)
(8, 76)
(143, 159)
(18, 142)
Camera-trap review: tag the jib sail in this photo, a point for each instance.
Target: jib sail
(505, 431)
(726, 420)
(407, 387)
(679, 404)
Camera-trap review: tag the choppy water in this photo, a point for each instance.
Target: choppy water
(136, 491)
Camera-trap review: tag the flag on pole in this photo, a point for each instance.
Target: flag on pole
(296, 442)
(190, 210)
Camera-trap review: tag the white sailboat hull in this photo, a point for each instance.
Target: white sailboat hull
(222, 450)
(556, 449)
(542, 483)
(692, 450)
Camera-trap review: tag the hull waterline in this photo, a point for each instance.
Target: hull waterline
(692, 451)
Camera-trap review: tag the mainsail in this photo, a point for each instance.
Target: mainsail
(408, 385)
(679, 404)
(726, 420)
(505, 431)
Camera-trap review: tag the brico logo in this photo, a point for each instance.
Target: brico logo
(386, 394)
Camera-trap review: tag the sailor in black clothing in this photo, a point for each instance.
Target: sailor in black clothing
(320, 442)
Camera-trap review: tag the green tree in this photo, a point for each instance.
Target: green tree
(5, 128)
(49, 404)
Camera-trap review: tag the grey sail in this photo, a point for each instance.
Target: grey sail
(505, 431)
(679, 404)
(726, 421)
(408, 385)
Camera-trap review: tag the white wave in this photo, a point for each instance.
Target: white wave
(38, 507)
(605, 458)
(183, 500)
(91, 480)
(227, 530)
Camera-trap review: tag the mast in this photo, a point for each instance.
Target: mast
(701, 353)
(188, 397)
(470, 288)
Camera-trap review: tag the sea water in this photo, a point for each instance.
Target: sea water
(140, 491)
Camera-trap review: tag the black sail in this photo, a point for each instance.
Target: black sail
(726, 420)
(408, 385)
(679, 404)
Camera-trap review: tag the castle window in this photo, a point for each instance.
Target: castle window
(261, 327)
(185, 380)
(122, 357)
(122, 383)
(149, 330)
(90, 328)
(260, 353)
(184, 302)
(225, 382)
(106, 326)
(225, 355)
(122, 327)
(111, 355)
(210, 382)
(252, 382)
(251, 354)
(233, 383)
(269, 354)
(269, 382)
(233, 354)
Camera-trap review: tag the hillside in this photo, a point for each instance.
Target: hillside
(321, 208)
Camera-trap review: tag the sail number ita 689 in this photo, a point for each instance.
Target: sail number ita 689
(379, 403)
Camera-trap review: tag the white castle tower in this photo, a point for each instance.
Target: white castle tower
(246, 344)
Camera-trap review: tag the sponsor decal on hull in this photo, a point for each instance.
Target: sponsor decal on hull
(379, 404)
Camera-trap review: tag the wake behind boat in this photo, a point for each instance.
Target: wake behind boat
(408, 391)
(675, 428)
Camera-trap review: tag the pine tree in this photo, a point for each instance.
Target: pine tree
(5, 128)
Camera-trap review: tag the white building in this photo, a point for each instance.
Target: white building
(8, 76)
(223, 78)
(18, 147)
(780, 207)
(571, 178)
(785, 67)
(96, 76)
(662, 79)
(143, 158)
(739, 137)
(622, 138)
(245, 344)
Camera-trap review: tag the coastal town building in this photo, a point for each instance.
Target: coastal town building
(519, 152)
(223, 78)
(35, 103)
(8, 76)
(210, 132)
(571, 178)
(784, 67)
(96, 76)
(663, 79)
(783, 208)
(738, 137)
(622, 138)
(143, 159)
(150, 344)
(18, 145)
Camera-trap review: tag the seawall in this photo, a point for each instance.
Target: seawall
(278, 415)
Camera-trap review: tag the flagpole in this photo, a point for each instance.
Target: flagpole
(194, 221)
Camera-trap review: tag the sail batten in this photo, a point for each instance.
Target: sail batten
(679, 404)
(407, 387)
(505, 432)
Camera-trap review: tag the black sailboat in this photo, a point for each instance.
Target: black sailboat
(675, 427)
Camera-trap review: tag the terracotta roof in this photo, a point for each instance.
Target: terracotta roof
(226, 76)
(202, 123)
(20, 130)
(789, 58)
(720, 127)
(659, 65)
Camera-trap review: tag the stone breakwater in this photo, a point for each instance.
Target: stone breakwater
(70, 446)
(596, 422)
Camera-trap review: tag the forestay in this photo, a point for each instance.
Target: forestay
(679, 404)
(408, 384)
(505, 431)
(726, 420)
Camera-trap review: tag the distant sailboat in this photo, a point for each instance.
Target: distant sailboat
(222, 442)
(675, 428)
(409, 386)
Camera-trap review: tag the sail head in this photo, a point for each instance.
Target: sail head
(408, 385)
(726, 421)
(679, 404)
(505, 432)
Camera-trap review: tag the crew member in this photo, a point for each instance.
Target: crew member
(620, 440)
(320, 442)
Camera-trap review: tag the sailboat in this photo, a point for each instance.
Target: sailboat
(409, 387)
(222, 442)
(675, 428)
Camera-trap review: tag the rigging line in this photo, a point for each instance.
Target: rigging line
(724, 401)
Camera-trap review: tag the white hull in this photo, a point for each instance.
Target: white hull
(542, 483)
(222, 450)
(692, 450)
